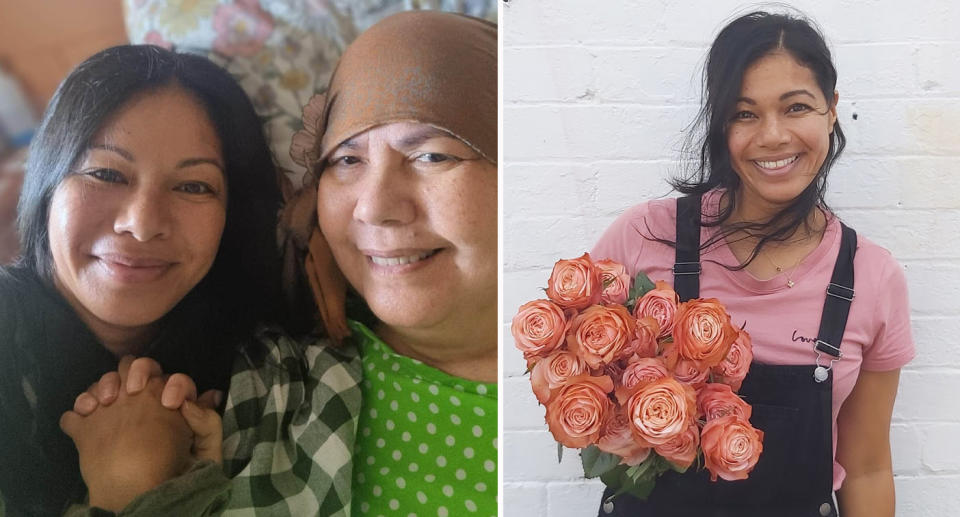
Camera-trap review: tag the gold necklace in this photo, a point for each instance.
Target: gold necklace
(779, 268)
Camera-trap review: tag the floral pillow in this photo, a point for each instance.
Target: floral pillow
(281, 51)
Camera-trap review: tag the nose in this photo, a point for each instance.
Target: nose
(145, 214)
(773, 133)
(385, 196)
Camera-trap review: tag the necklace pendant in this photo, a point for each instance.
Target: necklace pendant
(789, 283)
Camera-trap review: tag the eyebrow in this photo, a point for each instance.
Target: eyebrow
(189, 162)
(410, 141)
(785, 96)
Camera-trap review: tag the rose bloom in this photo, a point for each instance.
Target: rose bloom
(717, 400)
(682, 449)
(735, 365)
(614, 281)
(731, 447)
(661, 304)
(601, 334)
(617, 439)
(642, 370)
(702, 332)
(553, 371)
(575, 283)
(578, 411)
(538, 328)
(645, 344)
(661, 410)
(687, 371)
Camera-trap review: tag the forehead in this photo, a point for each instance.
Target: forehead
(777, 73)
(398, 134)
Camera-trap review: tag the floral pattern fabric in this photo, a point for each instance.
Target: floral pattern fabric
(281, 51)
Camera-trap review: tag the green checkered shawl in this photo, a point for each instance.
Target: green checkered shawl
(289, 428)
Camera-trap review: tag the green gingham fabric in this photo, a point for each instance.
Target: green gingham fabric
(289, 425)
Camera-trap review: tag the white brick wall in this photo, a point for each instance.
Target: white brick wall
(596, 95)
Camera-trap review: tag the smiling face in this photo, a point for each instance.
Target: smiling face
(138, 224)
(779, 134)
(410, 213)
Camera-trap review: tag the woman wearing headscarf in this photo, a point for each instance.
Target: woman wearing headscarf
(403, 149)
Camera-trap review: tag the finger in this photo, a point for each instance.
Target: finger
(207, 431)
(107, 389)
(141, 370)
(210, 399)
(85, 404)
(179, 387)
(69, 423)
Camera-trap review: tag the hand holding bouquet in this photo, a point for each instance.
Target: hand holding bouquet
(638, 381)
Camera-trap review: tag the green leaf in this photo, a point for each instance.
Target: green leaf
(641, 286)
(596, 462)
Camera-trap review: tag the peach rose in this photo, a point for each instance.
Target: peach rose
(645, 344)
(717, 400)
(601, 334)
(661, 410)
(735, 365)
(614, 280)
(687, 371)
(731, 447)
(553, 371)
(575, 283)
(642, 370)
(538, 328)
(661, 304)
(702, 332)
(682, 449)
(617, 439)
(578, 411)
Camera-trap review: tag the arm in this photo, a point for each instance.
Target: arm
(863, 446)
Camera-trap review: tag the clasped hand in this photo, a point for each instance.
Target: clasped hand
(136, 428)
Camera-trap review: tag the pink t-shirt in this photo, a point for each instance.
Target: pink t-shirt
(783, 322)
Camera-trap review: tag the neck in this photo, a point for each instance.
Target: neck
(118, 339)
(764, 213)
(466, 349)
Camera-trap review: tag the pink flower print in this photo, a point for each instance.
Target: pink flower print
(155, 38)
(241, 28)
(303, 146)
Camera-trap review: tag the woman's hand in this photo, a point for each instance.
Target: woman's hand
(130, 443)
(863, 446)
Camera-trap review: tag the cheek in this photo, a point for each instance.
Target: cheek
(72, 223)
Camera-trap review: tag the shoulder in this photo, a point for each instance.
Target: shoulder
(874, 263)
(624, 238)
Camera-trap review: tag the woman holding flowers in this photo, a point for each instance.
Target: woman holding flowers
(826, 310)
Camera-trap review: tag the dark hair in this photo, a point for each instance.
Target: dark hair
(741, 43)
(200, 335)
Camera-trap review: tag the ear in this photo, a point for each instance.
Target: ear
(833, 110)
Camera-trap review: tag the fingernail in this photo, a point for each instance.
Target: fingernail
(110, 391)
(217, 397)
(86, 404)
(135, 383)
(170, 397)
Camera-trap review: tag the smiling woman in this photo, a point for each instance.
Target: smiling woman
(130, 246)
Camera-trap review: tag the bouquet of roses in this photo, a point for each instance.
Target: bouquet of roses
(638, 381)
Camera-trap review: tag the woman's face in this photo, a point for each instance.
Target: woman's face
(138, 223)
(780, 132)
(410, 213)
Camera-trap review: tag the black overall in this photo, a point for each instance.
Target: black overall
(794, 476)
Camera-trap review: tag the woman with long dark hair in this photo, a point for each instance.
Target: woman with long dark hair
(147, 224)
(827, 309)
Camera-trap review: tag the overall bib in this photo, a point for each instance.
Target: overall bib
(794, 476)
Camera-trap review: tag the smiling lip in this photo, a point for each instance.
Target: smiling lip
(400, 261)
(131, 269)
(778, 166)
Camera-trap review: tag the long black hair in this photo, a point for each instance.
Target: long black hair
(201, 333)
(738, 45)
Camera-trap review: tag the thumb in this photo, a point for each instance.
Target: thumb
(207, 431)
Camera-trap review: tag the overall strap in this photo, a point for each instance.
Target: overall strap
(686, 270)
(836, 308)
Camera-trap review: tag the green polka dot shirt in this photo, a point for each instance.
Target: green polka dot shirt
(427, 442)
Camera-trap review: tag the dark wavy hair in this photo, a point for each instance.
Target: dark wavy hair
(740, 44)
(201, 333)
